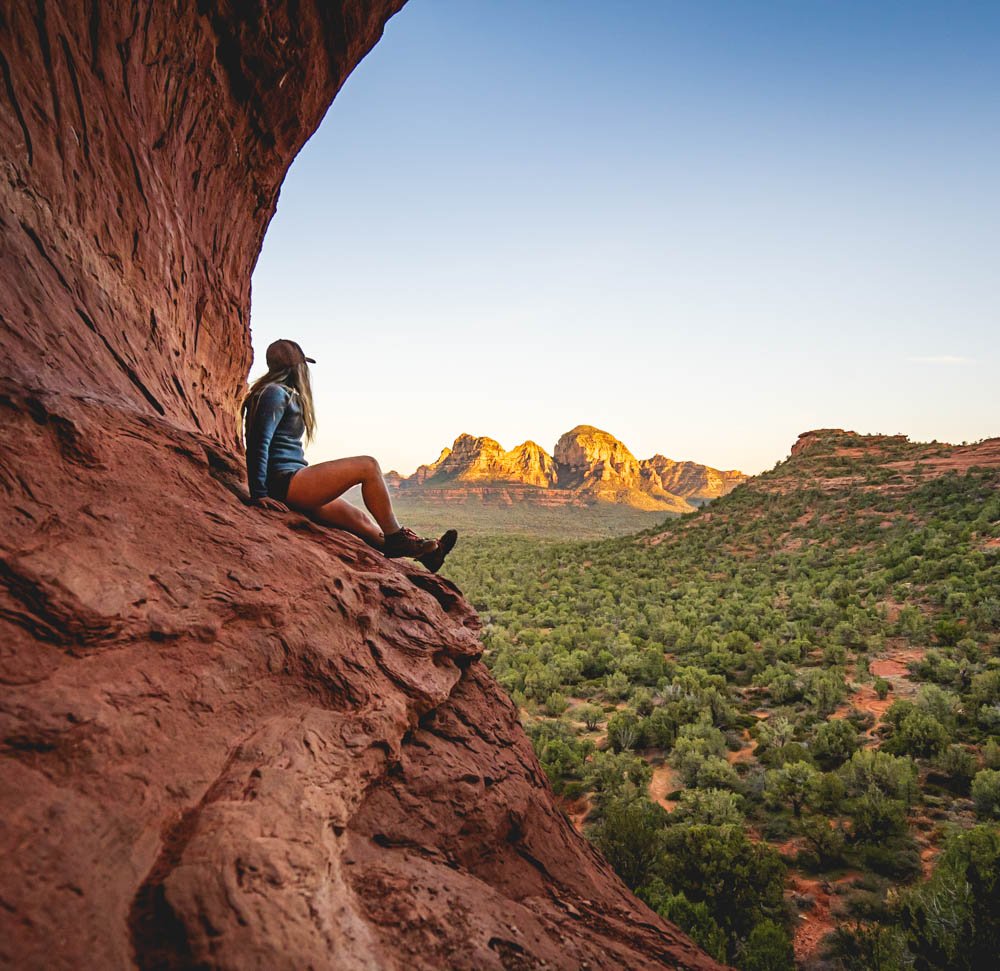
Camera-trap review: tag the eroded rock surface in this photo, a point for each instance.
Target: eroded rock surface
(228, 738)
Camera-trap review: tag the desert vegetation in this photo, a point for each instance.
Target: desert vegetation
(779, 717)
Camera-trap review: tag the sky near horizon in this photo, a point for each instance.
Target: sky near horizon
(702, 226)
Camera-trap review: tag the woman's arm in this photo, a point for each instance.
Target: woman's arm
(261, 423)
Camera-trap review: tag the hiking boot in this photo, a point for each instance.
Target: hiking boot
(405, 542)
(434, 560)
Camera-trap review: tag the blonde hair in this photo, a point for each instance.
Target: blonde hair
(296, 379)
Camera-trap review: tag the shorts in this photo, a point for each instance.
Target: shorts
(277, 484)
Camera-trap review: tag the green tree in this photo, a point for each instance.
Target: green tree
(991, 754)
(953, 920)
(877, 816)
(741, 882)
(623, 731)
(942, 705)
(870, 947)
(612, 776)
(561, 761)
(714, 807)
(695, 744)
(959, 765)
(617, 685)
(695, 919)
(918, 734)
(791, 784)
(826, 841)
(825, 690)
(986, 793)
(661, 726)
(894, 776)
(716, 773)
(828, 793)
(834, 743)
(781, 683)
(590, 715)
(768, 948)
(985, 688)
(630, 837)
(540, 682)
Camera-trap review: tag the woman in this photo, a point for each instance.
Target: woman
(279, 411)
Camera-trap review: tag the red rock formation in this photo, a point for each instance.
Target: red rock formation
(808, 440)
(229, 739)
(473, 459)
(689, 479)
(588, 466)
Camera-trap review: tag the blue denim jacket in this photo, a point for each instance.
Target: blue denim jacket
(274, 437)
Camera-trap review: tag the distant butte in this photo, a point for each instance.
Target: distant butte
(587, 466)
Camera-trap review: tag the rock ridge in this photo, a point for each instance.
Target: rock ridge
(228, 738)
(587, 465)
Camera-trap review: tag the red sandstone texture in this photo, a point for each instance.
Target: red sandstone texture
(229, 739)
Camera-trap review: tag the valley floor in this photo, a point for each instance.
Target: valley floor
(810, 665)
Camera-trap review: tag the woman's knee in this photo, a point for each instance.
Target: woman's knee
(369, 466)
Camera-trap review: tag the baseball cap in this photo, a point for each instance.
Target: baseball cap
(286, 354)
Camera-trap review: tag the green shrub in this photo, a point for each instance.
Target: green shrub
(953, 920)
(834, 743)
(792, 785)
(695, 919)
(959, 765)
(991, 754)
(713, 807)
(876, 815)
(919, 734)
(826, 842)
(870, 947)
(986, 793)
(898, 859)
(624, 732)
(894, 776)
(630, 836)
(768, 948)
(741, 882)
(590, 715)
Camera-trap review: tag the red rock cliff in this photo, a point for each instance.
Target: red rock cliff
(229, 739)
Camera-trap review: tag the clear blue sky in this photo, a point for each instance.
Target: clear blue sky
(703, 226)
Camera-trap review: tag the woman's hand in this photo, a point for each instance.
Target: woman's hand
(266, 502)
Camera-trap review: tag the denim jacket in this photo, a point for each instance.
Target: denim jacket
(274, 437)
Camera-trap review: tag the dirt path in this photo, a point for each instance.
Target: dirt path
(815, 922)
(744, 754)
(893, 666)
(665, 780)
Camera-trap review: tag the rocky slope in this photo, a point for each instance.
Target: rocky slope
(832, 459)
(866, 474)
(694, 482)
(229, 739)
(587, 465)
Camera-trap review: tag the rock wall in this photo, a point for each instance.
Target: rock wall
(228, 738)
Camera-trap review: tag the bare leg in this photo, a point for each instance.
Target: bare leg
(343, 515)
(314, 488)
